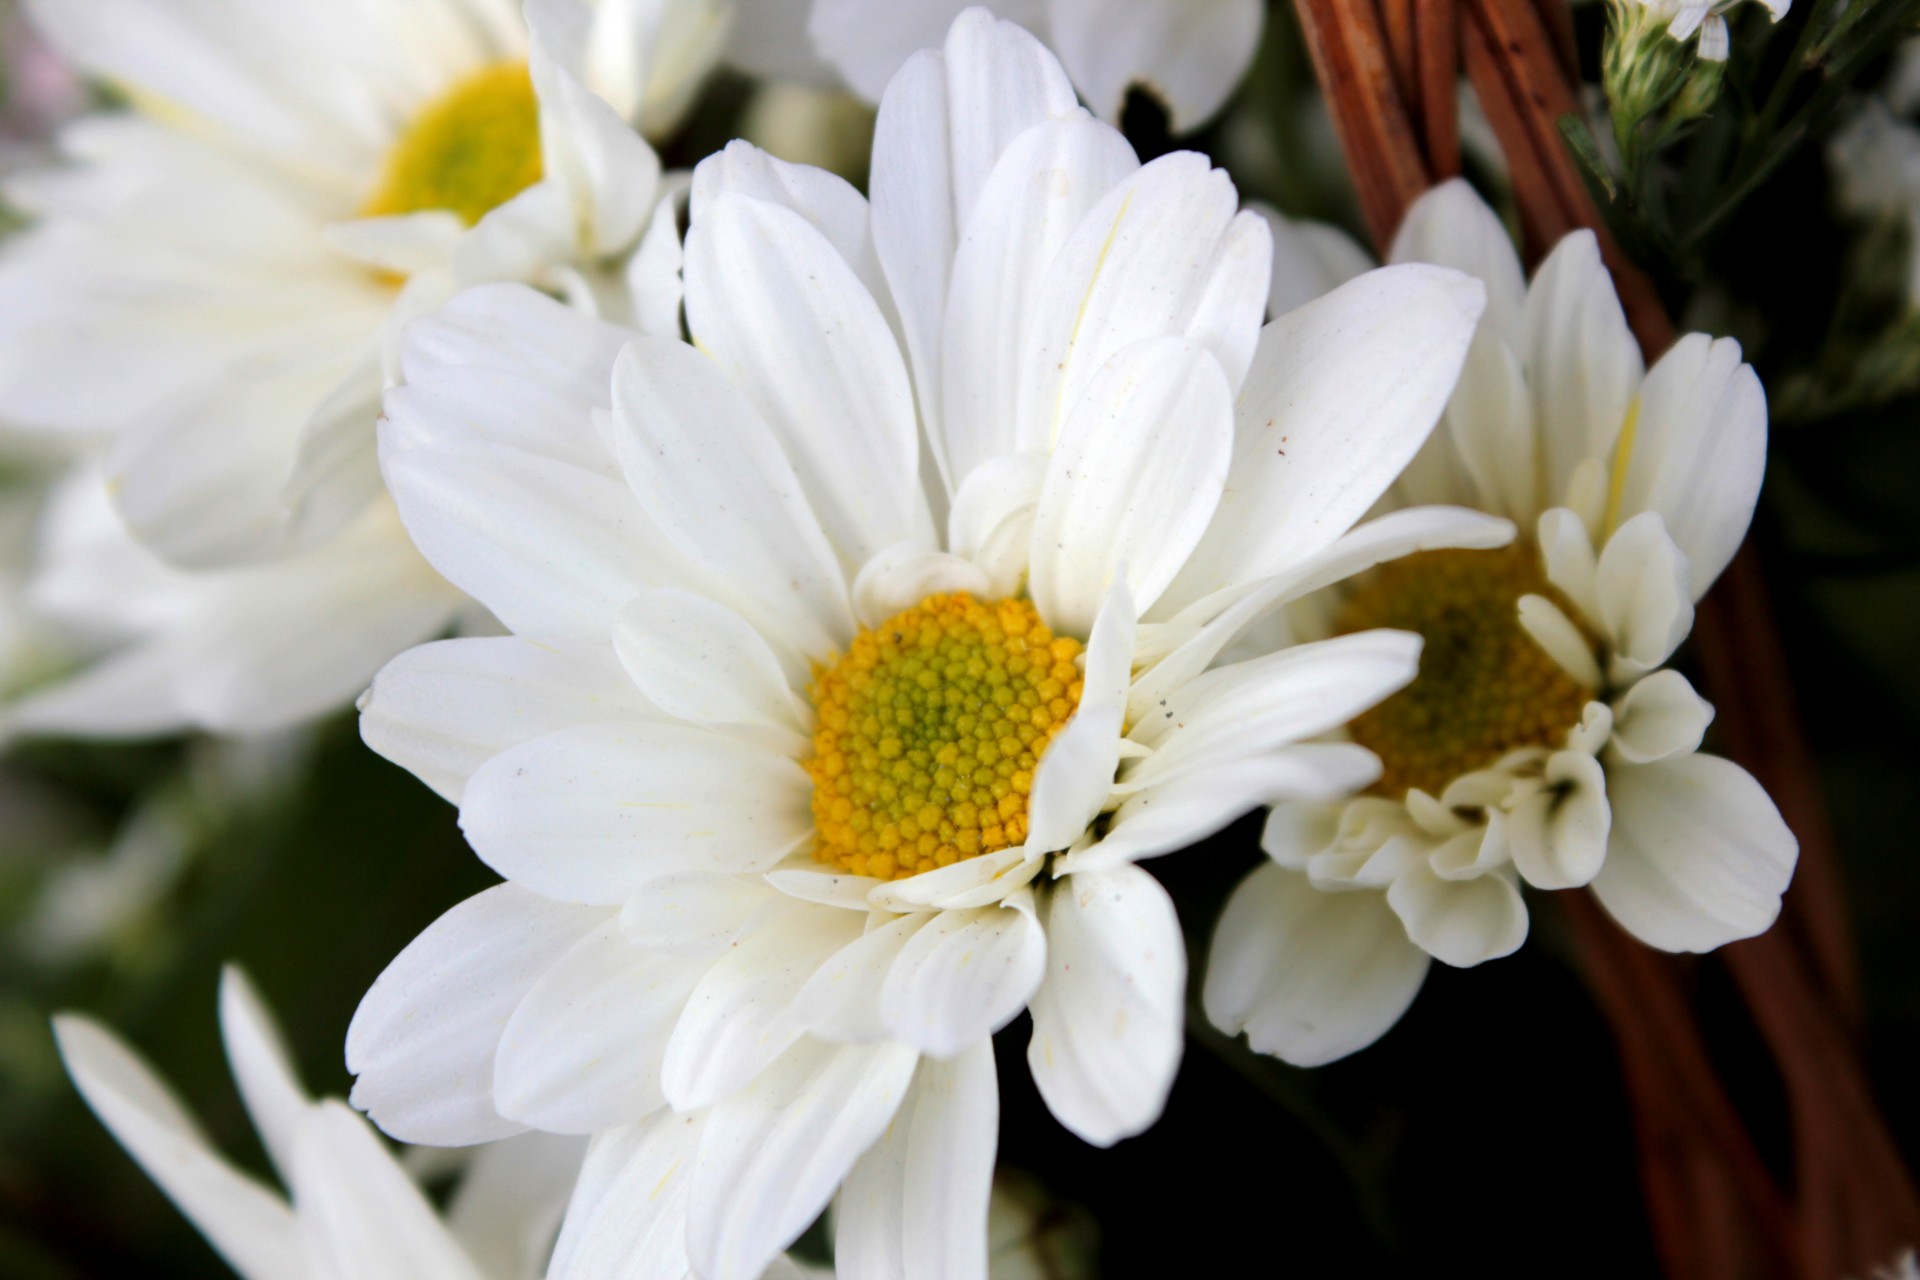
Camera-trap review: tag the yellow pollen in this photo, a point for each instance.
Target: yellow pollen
(469, 151)
(1485, 687)
(929, 731)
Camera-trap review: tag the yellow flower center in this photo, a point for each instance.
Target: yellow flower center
(470, 151)
(1485, 687)
(928, 733)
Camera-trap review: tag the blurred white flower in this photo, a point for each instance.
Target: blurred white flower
(819, 752)
(350, 1211)
(216, 285)
(1545, 740)
(1705, 19)
(1188, 54)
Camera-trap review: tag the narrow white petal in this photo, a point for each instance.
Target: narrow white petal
(964, 976)
(1699, 856)
(507, 1208)
(1133, 481)
(250, 1226)
(1308, 975)
(1107, 1020)
(916, 1204)
(442, 710)
(583, 1049)
(423, 1040)
(701, 662)
(1698, 450)
(1460, 922)
(591, 814)
(738, 1019)
(1076, 775)
(1342, 393)
(1564, 642)
(261, 1067)
(841, 1001)
(627, 1219)
(772, 1155)
(1451, 226)
(1583, 365)
(1641, 588)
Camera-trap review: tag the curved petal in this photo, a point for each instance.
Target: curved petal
(627, 1219)
(1309, 976)
(424, 1037)
(1641, 588)
(583, 1048)
(1133, 480)
(964, 976)
(1451, 226)
(442, 710)
(1558, 835)
(773, 1154)
(1460, 922)
(1342, 393)
(1697, 452)
(1699, 856)
(250, 1226)
(1107, 1020)
(701, 662)
(1583, 365)
(1660, 716)
(916, 1204)
(591, 814)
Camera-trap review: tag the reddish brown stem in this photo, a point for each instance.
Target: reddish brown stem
(1436, 24)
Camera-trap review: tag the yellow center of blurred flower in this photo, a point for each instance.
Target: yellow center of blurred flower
(929, 730)
(1485, 687)
(470, 151)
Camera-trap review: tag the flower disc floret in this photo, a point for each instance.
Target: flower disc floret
(1485, 687)
(929, 730)
(470, 151)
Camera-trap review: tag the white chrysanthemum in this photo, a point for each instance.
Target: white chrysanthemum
(817, 755)
(351, 1210)
(1544, 740)
(1188, 54)
(216, 281)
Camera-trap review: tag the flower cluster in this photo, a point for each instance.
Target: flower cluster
(819, 603)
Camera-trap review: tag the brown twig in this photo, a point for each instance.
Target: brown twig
(1437, 76)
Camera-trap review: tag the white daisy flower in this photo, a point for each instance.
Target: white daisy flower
(1190, 55)
(216, 281)
(817, 755)
(351, 1209)
(1545, 741)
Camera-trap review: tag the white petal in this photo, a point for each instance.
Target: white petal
(261, 1067)
(593, 813)
(1310, 976)
(841, 1001)
(1699, 856)
(1451, 226)
(1140, 265)
(1309, 259)
(1558, 836)
(826, 200)
(1566, 549)
(508, 1205)
(1659, 717)
(441, 710)
(1342, 393)
(1172, 816)
(360, 1214)
(1252, 707)
(1188, 54)
(627, 1219)
(737, 1019)
(901, 577)
(1075, 776)
(784, 314)
(1133, 481)
(944, 122)
(653, 278)
(1641, 588)
(1107, 1020)
(1490, 430)
(708, 470)
(971, 882)
(991, 520)
(582, 1051)
(772, 1155)
(252, 1228)
(916, 1204)
(695, 914)
(701, 662)
(1460, 922)
(1563, 641)
(1697, 452)
(424, 1037)
(1583, 365)
(964, 976)
(1043, 185)
(868, 42)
